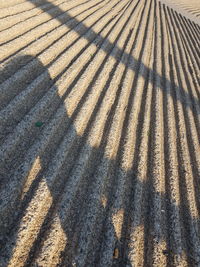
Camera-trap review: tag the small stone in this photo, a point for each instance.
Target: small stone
(116, 253)
(38, 124)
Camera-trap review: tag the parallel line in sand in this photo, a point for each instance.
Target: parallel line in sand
(184, 160)
(112, 176)
(7, 22)
(61, 92)
(56, 54)
(30, 90)
(60, 22)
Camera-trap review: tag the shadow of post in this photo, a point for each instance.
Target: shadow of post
(36, 151)
(85, 203)
(134, 63)
(15, 170)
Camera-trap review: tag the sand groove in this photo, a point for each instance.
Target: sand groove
(99, 134)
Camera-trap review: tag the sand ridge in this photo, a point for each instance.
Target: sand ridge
(99, 134)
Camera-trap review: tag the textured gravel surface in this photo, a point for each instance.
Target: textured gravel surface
(99, 133)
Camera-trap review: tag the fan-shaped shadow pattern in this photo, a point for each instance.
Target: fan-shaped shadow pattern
(85, 195)
(68, 195)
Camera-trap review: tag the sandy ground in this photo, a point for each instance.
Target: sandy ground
(99, 133)
(188, 8)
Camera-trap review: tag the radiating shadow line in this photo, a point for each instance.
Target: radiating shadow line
(97, 153)
(70, 227)
(134, 63)
(55, 190)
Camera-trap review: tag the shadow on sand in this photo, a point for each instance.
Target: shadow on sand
(84, 207)
(88, 190)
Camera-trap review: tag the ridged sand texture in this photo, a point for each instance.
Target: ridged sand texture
(99, 134)
(192, 6)
(188, 8)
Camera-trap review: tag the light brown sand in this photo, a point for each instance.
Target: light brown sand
(99, 134)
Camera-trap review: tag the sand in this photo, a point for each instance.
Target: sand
(99, 133)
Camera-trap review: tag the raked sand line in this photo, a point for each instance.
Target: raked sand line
(99, 133)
